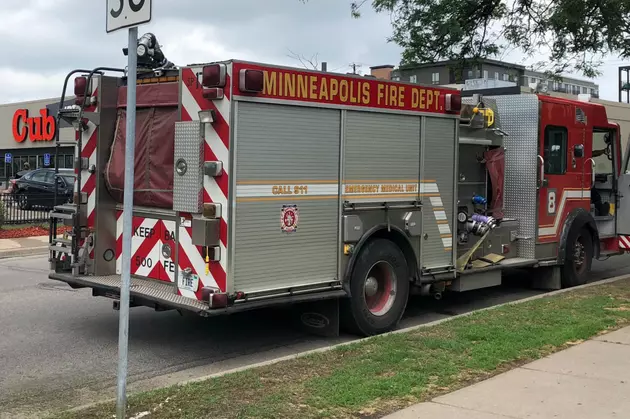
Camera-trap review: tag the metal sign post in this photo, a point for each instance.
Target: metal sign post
(127, 14)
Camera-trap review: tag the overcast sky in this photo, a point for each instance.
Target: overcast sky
(43, 39)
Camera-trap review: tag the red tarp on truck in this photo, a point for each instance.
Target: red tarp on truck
(156, 114)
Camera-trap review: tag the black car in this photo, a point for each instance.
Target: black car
(36, 188)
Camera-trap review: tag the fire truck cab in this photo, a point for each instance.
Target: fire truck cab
(262, 185)
(563, 180)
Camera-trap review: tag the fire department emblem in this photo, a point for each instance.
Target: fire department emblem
(289, 217)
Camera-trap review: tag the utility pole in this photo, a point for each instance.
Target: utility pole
(354, 67)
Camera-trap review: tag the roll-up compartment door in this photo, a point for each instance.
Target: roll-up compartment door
(287, 205)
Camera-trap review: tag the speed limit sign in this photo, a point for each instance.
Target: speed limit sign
(127, 13)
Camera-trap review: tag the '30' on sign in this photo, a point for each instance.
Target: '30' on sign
(127, 13)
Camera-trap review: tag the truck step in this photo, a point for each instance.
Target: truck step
(69, 113)
(70, 208)
(65, 242)
(60, 249)
(157, 291)
(61, 215)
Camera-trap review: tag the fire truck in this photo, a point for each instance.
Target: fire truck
(259, 185)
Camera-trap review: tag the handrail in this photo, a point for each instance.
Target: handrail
(593, 165)
(52, 231)
(53, 225)
(541, 181)
(79, 146)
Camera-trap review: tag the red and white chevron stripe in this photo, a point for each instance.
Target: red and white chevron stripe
(89, 139)
(217, 146)
(148, 238)
(624, 242)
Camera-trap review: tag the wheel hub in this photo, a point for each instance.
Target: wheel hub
(380, 288)
(371, 286)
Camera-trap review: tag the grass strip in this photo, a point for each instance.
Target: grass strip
(381, 375)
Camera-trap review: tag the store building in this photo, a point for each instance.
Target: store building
(27, 136)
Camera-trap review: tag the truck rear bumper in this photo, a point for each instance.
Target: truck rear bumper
(142, 292)
(162, 296)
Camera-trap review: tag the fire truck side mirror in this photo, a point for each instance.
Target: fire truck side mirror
(578, 151)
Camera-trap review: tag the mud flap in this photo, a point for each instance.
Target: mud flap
(318, 317)
(547, 278)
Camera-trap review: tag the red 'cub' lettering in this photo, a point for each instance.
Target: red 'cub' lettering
(36, 128)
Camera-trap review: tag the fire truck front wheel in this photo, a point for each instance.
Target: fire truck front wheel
(578, 258)
(379, 289)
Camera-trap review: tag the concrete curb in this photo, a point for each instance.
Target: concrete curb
(24, 251)
(332, 347)
(405, 330)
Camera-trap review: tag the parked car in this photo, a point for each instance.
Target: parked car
(36, 188)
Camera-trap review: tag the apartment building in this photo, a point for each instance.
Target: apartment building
(454, 73)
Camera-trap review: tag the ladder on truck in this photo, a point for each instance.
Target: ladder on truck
(69, 253)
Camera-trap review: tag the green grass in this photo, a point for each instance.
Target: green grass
(21, 226)
(383, 374)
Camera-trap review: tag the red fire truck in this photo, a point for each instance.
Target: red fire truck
(260, 185)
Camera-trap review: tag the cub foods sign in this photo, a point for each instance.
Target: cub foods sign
(39, 127)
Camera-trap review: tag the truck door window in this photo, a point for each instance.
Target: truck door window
(555, 153)
(602, 151)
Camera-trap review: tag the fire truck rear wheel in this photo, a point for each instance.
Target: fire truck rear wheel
(578, 258)
(379, 288)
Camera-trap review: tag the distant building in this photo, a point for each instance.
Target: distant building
(451, 73)
(382, 71)
(568, 85)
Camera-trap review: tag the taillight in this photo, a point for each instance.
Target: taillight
(453, 103)
(213, 93)
(80, 84)
(251, 81)
(214, 75)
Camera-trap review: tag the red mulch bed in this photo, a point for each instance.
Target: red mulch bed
(30, 231)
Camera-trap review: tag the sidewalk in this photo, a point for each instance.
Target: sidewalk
(588, 381)
(26, 246)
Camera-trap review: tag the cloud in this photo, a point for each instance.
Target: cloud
(42, 40)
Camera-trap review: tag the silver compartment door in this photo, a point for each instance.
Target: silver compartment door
(623, 190)
(287, 197)
(623, 211)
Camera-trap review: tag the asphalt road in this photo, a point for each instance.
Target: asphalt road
(58, 346)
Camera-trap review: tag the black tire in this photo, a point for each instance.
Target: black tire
(374, 310)
(578, 258)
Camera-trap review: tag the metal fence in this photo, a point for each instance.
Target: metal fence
(24, 209)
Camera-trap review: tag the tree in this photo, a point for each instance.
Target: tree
(570, 35)
(308, 63)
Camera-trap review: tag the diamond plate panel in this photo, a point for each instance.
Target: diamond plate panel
(188, 177)
(519, 118)
(157, 291)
